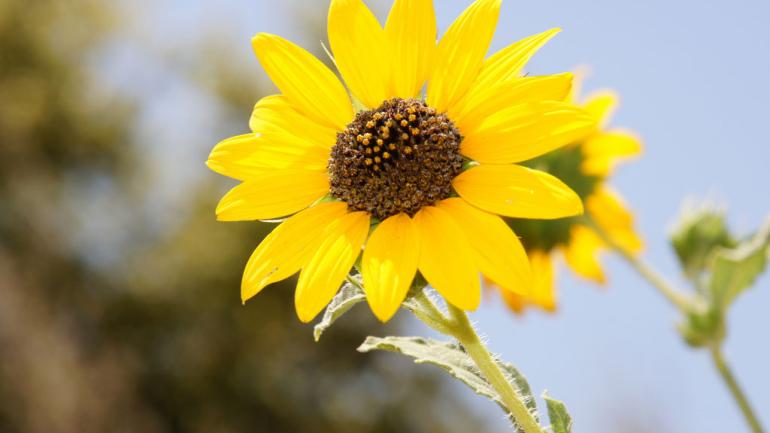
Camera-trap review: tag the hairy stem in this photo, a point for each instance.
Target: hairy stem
(724, 371)
(674, 295)
(430, 314)
(463, 331)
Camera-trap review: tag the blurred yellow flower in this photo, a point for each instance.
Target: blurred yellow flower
(585, 166)
(420, 182)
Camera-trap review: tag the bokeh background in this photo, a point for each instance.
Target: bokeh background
(119, 303)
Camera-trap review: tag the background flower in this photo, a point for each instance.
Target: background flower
(585, 165)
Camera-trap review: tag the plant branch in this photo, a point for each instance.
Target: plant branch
(674, 295)
(724, 371)
(463, 331)
(429, 314)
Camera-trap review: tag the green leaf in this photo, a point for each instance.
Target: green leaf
(736, 269)
(697, 236)
(453, 359)
(348, 296)
(561, 422)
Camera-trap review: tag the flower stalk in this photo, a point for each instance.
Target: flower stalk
(686, 305)
(458, 326)
(464, 332)
(732, 384)
(675, 296)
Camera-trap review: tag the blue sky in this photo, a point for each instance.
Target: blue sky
(692, 76)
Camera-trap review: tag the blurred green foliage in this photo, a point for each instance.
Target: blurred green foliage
(109, 324)
(720, 265)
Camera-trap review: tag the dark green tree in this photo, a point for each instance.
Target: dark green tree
(109, 323)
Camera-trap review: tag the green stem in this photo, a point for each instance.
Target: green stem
(674, 295)
(684, 304)
(463, 331)
(735, 389)
(429, 314)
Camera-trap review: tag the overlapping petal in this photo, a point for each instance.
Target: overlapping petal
(273, 194)
(288, 247)
(601, 105)
(308, 84)
(460, 53)
(249, 156)
(276, 115)
(485, 102)
(411, 33)
(360, 51)
(507, 64)
(525, 131)
(447, 259)
(543, 290)
(602, 151)
(517, 191)
(498, 252)
(610, 212)
(322, 276)
(582, 253)
(389, 264)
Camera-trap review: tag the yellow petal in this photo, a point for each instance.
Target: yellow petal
(224, 157)
(499, 253)
(288, 247)
(582, 253)
(601, 105)
(507, 63)
(446, 258)
(273, 194)
(610, 212)
(306, 82)
(525, 131)
(461, 52)
(517, 191)
(322, 276)
(411, 33)
(602, 151)
(275, 114)
(249, 156)
(543, 291)
(481, 104)
(389, 264)
(580, 73)
(515, 301)
(360, 51)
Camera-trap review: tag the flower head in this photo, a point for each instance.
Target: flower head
(585, 166)
(416, 183)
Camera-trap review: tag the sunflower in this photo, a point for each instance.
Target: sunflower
(585, 166)
(416, 183)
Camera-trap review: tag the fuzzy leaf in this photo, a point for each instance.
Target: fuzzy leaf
(561, 421)
(736, 269)
(448, 356)
(348, 296)
(453, 359)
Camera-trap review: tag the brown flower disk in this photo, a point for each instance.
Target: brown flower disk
(396, 158)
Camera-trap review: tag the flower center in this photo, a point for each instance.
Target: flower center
(396, 158)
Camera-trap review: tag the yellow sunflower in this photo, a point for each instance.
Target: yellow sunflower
(585, 166)
(415, 183)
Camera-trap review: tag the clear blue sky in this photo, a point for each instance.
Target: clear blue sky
(692, 76)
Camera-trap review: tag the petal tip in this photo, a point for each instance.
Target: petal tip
(305, 316)
(383, 315)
